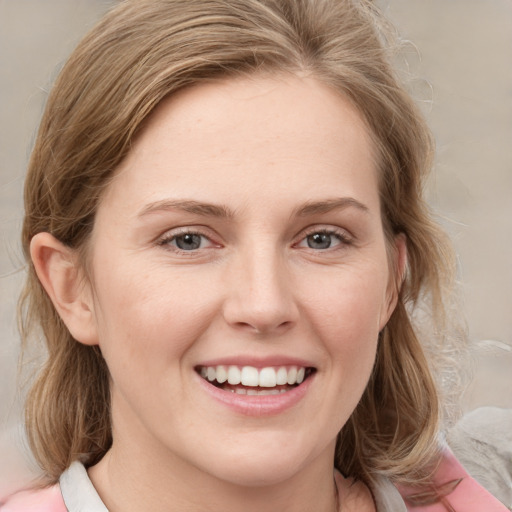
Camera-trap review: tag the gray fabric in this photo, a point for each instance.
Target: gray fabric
(386, 496)
(78, 492)
(80, 495)
(482, 442)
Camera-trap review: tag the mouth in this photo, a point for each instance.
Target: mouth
(249, 380)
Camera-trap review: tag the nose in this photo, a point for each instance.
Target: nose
(260, 297)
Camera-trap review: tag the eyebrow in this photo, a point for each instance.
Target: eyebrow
(339, 203)
(220, 211)
(189, 206)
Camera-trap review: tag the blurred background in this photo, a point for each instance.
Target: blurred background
(459, 68)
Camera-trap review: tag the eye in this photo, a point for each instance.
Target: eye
(319, 241)
(324, 239)
(186, 241)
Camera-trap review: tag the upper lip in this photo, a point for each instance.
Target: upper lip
(257, 362)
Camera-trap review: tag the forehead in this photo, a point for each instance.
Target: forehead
(272, 133)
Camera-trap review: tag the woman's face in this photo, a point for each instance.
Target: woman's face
(241, 239)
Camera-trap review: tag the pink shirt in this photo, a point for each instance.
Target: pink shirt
(43, 500)
(453, 490)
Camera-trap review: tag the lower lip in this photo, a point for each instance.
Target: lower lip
(258, 405)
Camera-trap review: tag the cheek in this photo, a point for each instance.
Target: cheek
(149, 314)
(346, 314)
(350, 301)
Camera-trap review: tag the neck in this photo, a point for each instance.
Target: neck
(135, 482)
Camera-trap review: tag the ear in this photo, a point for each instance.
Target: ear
(398, 268)
(59, 272)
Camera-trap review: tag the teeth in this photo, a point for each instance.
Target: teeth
(267, 378)
(292, 375)
(222, 374)
(234, 376)
(250, 376)
(282, 376)
(243, 391)
(268, 392)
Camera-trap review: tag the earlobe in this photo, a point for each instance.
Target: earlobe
(59, 272)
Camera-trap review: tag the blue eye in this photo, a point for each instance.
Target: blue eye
(319, 240)
(324, 239)
(188, 241)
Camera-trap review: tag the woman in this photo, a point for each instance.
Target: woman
(227, 237)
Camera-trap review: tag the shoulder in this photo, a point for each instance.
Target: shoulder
(452, 488)
(48, 499)
(482, 442)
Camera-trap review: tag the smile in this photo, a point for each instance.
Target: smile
(249, 380)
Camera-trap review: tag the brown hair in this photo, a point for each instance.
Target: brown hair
(145, 50)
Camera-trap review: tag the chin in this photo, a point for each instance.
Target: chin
(262, 463)
(247, 473)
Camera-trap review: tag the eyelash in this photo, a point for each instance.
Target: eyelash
(167, 239)
(343, 238)
(341, 235)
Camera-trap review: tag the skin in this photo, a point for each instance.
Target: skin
(262, 149)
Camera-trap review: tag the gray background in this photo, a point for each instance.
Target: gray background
(459, 69)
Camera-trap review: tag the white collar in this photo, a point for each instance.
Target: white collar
(78, 492)
(80, 495)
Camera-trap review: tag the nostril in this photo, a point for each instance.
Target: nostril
(264, 328)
